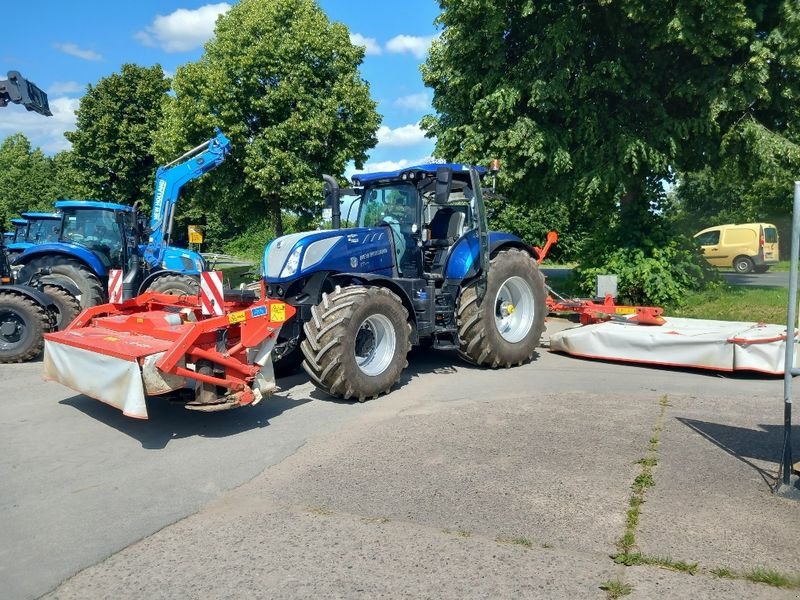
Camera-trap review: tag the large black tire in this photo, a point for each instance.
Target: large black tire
(22, 326)
(369, 321)
(761, 268)
(743, 265)
(481, 340)
(71, 270)
(67, 305)
(175, 285)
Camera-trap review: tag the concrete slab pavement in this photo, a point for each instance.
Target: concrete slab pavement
(712, 502)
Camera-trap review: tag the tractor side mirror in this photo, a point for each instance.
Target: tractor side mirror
(444, 181)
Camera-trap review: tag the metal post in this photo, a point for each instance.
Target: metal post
(791, 323)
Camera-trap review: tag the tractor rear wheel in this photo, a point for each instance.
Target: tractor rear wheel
(175, 285)
(72, 271)
(22, 326)
(503, 328)
(67, 305)
(356, 342)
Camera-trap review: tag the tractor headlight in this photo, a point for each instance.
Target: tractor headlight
(292, 264)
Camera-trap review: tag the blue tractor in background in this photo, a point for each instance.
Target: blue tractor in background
(41, 227)
(96, 237)
(418, 267)
(20, 230)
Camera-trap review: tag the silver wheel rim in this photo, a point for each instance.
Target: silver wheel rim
(375, 345)
(514, 309)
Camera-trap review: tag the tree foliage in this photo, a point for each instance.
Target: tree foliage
(597, 103)
(283, 83)
(27, 178)
(112, 148)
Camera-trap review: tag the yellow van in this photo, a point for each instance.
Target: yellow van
(747, 247)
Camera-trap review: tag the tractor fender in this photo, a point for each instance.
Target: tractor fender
(31, 293)
(496, 245)
(379, 281)
(156, 274)
(72, 251)
(65, 284)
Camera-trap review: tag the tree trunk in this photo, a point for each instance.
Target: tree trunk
(275, 215)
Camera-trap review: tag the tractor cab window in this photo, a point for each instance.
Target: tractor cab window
(44, 230)
(395, 206)
(95, 229)
(20, 231)
(390, 204)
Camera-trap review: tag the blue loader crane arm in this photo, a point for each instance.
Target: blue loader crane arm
(170, 178)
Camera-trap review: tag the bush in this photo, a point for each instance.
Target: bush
(659, 276)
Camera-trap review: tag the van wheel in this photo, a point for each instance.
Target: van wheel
(761, 268)
(742, 264)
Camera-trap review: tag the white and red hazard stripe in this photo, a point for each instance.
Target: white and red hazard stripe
(115, 286)
(211, 296)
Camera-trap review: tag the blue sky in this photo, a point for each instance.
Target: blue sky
(63, 46)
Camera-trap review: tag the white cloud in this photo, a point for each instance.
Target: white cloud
(46, 133)
(410, 44)
(406, 135)
(372, 47)
(419, 101)
(75, 50)
(183, 29)
(393, 165)
(66, 87)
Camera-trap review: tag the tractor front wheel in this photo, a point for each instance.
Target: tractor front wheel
(175, 285)
(72, 271)
(503, 328)
(67, 305)
(22, 326)
(356, 342)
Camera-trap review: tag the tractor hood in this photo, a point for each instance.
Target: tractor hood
(358, 250)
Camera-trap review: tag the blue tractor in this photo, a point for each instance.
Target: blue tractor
(418, 266)
(40, 227)
(20, 230)
(96, 237)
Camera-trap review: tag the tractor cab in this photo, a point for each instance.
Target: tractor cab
(38, 229)
(43, 227)
(100, 227)
(20, 230)
(428, 209)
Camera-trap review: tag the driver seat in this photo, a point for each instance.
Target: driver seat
(446, 227)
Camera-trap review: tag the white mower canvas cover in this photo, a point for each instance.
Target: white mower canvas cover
(112, 380)
(692, 343)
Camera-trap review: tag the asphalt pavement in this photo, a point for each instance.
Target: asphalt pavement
(463, 482)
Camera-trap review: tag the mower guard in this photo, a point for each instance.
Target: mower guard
(157, 343)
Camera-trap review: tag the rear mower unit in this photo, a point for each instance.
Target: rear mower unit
(159, 343)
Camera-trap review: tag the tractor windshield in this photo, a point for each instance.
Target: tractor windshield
(388, 205)
(95, 229)
(41, 231)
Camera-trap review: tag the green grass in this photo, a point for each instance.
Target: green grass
(773, 578)
(614, 588)
(754, 304)
(631, 559)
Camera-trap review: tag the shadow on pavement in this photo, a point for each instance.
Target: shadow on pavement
(764, 444)
(421, 361)
(170, 420)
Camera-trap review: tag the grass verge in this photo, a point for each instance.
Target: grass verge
(727, 303)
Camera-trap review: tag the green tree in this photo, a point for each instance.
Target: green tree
(283, 83)
(596, 104)
(27, 178)
(112, 148)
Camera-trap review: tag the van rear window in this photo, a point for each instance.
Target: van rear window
(770, 235)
